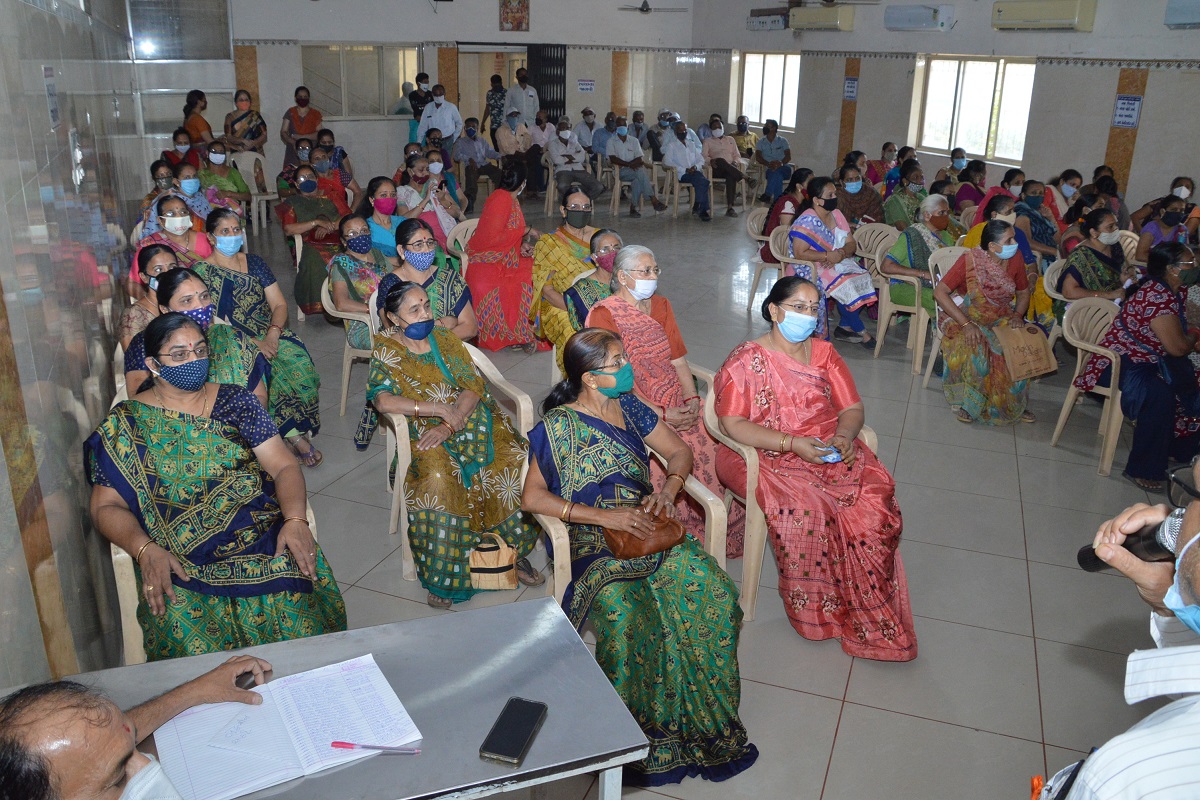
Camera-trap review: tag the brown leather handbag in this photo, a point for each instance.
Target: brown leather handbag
(665, 534)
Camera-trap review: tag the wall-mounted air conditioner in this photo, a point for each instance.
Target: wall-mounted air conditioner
(1182, 14)
(1062, 15)
(919, 18)
(824, 18)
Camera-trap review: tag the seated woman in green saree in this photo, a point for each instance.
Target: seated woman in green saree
(667, 624)
(248, 297)
(313, 215)
(465, 476)
(192, 479)
(585, 293)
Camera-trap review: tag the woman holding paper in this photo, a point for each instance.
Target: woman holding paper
(192, 479)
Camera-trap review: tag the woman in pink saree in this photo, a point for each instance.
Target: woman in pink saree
(500, 268)
(831, 510)
(662, 377)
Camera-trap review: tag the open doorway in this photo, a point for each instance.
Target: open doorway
(476, 66)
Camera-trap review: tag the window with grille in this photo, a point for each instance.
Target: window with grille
(771, 87)
(978, 104)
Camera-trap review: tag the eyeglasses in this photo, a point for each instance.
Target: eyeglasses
(577, 207)
(1180, 488)
(655, 271)
(1186, 264)
(612, 248)
(803, 308)
(176, 214)
(180, 354)
(421, 245)
(360, 232)
(620, 362)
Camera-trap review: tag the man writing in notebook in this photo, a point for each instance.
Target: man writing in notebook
(64, 741)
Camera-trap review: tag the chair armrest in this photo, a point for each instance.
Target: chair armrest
(705, 376)
(867, 436)
(399, 428)
(560, 543)
(522, 400)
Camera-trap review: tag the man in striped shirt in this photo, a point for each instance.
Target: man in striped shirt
(1159, 756)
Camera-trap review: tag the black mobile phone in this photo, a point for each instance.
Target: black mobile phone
(513, 732)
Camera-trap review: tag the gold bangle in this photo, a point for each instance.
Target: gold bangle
(449, 427)
(570, 508)
(566, 507)
(682, 478)
(302, 520)
(416, 409)
(782, 439)
(142, 549)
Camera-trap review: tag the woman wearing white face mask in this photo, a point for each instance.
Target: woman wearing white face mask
(662, 378)
(992, 289)
(1182, 187)
(221, 175)
(175, 229)
(1097, 266)
(830, 505)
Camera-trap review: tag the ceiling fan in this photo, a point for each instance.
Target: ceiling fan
(645, 8)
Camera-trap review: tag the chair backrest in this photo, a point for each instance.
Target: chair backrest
(940, 262)
(373, 315)
(331, 308)
(244, 162)
(460, 234)
(967, 217)
(872, 238)
(755, 221)
(135, 235)
(1129, 244)
(1050, 280)
(959, 242)
(1086, 322)
(779, 243)
(298, 242)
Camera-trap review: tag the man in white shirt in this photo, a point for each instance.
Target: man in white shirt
(523, 97)
(1159, 756)
(685, 156)
(443, 115)
(540, 135)
(63, 740)
(570, 160)
(722, 156)
(583, 134)
(625, 153)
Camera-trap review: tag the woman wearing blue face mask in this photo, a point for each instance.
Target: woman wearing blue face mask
(464, 480)
(248, 297)
(667, 623)
(830, 504)
(986, 287)
(314, 215)
(858, 201)
(232, 358)
(251, 573)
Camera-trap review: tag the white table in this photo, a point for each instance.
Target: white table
(454, 673)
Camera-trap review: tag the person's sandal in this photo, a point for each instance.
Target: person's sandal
(1145, 484)
(962, 416)
(527, 575)
(311, 457)
(441, 603)
(1028, 416)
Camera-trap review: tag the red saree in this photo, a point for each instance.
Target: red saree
(835, 530)
(652, 342)
(499, 277)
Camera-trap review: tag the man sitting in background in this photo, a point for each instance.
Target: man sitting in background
(569, 159)
(513, 139)
(584, 131)
(626, 156)
(473, 153)
(685, 157)
(600, 138)
(64, 741)
(746, 139)
(775, 154)
(722, 156)
(655, 138)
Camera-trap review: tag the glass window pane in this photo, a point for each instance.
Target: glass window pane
(772, 86)
(322, 66)
(1014, 111)
(939, 104)
(362, 79)
(975, 105)
(752, 87)
(181, 29)
(791, 92)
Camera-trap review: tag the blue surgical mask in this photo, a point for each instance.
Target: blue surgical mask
(471, 133)
(230, 245)
(854, 187)
(189, 377)
(201, 316)
(624, 378)
(419, 330)
(512, 123)
(306, 186)
(420, 261)
(1008, 251)
(152, 282)
(1035, 202)
(1189, 615)
(796, 327)
(664, 122)
(622, 130)
(323, 165)
(959, 164)
(1068, 191)
(189, 186)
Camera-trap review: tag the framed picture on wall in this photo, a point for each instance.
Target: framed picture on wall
(514, 15)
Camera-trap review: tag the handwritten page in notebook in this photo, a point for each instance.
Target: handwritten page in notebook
(223, 751)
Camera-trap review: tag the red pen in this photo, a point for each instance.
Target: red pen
(400, 751)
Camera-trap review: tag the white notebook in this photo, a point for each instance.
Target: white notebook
(226, 750)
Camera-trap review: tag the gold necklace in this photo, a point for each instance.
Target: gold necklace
(163, 403)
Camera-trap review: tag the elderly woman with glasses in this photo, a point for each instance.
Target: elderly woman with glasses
(1158, 381)
(465, 476)
(663, 379)
(830, 505)
(192, 479)
(559, 258)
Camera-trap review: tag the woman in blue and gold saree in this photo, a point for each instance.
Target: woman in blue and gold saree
(666, 624)
(465, 475)
(192, 479)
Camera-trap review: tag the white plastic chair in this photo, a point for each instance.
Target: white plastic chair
(298, 242)
(779, 249)
(1050, 279)
(940, 263)
(614, 205)
(755, 221)
(1086, 322)
(456, 241)
(756, 521)
(349, 354)
(714, 182)
(135, 235)
(967, 217)
(1129, 245)
(675, 188)
(245, 163)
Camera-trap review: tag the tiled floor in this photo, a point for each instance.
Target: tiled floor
(1022, 654)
